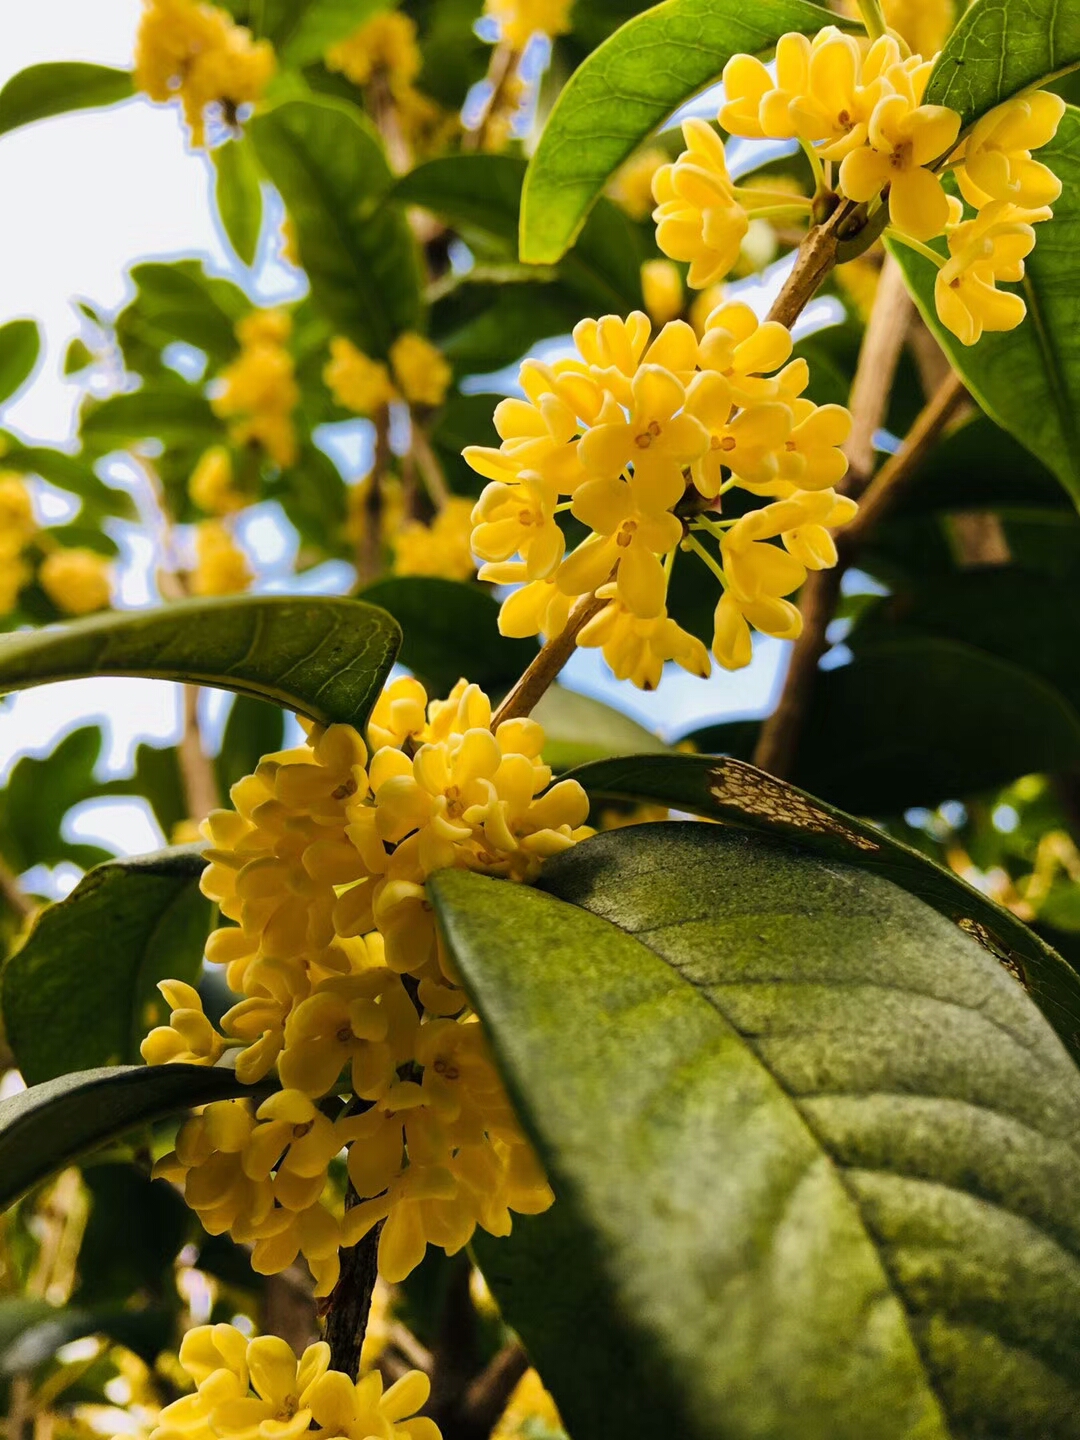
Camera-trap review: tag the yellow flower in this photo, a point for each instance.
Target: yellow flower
(756, 105)
(519, 20)
(399, 716)
(698, 218)
(193, 51)
(537, 607)
(442, 548)
(902, 140)
(221, 567)
(631, 185)
(280, 1407)
(77, 581)
(189, 1038)
(384, 46)
(812, 458)
(540, 432)
(732, 645)
(420, 369)
(211, 484)
(997, 154)
(636, 649)
(743, 350)
(259, 390)
(17, 523)
(924, 24)
(629, 533)
(361, 1411)
(982, 252)
(365, 1021)
(356, 381)
(519, 520)
(662, 290)
(530, 1406)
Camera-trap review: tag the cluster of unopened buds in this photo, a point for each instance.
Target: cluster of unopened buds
(857, 110)
(645, 435)
(247, 1388)
(348, 995)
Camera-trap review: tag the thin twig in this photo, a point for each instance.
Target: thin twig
(879, 355)
(489, 1394)
(552, 657)
(196, 768)
(502, 72)
(431, 472)
(369, 558)
(349, 1304)
(782, 731)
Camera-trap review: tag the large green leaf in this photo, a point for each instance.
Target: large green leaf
(238, 196)
(320, 656)
(627, 88)
(814, 1150)
(81, 991)
(20, 346)
(303, 30)
(484, 324)
(359, 255)
(39, 793)
(177, 414)
(579, 728)
(56, 88)
(998, 49)
(134, 1232)
(450, 629)
(178, 300)
(1028, 379)
(50, 1126)
(728, 790)
(483, 192)
(145, 1331)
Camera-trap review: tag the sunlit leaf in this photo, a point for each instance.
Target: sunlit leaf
(56, 88)
(20, 346)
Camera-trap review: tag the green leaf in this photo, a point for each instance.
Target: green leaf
(303, 30)
(579, 729)
(1028, 379)
(483, 192)
(813, 1148)
(627, 88)
(175, 301)
(728, 790)
(450, 629)
(322, 657)
(253, 729)
(70, 472)
(146, 1331)
(81, 991)
(134, 1232)
(20, 346)
(77, 356)
(238, 196)
(482, 326)
(359, 255)
(39, 793)
(50, 1126)
(178, 415)
(55, 89)
(997, 50)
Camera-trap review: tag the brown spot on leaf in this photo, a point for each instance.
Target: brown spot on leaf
(754, 793)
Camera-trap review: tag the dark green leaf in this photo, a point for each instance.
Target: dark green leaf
(320, 656)
(450, 629)
(253, 729)
(997, 50)
(178, 301)
(483, 192)
(730, 791)
(158, 780)
(627, 88)
(482, 326)
(238, 195)
(303, 30)
(814, 1149)
(464, 420)
(69, 472)
(134, 1232)
(82, 989)
(359, 256)
(146, 1332)
(38, 795)
(54, 89)
(20, 346)
(50, 1126)
(1028, 379)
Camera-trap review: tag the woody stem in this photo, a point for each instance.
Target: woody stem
(552, 657)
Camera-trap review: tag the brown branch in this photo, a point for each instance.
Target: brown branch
(879, 356)
(349, 1303)
(431, 472)
(11, 894)
(196, 768)
(502, 73)
(369, 558)
(489, 1394)
(552, 657)
(782, 731)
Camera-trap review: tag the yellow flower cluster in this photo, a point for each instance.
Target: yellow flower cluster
(221, 567)
(645, 434)
(442, 548)
(194, 52)
(257, 1388)
(259, 390)
(520, 20)
(364, 385)
(78, 581)
(321, 868)
(210, 485)
(857, 109)
(383, 48)
(17, 529)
